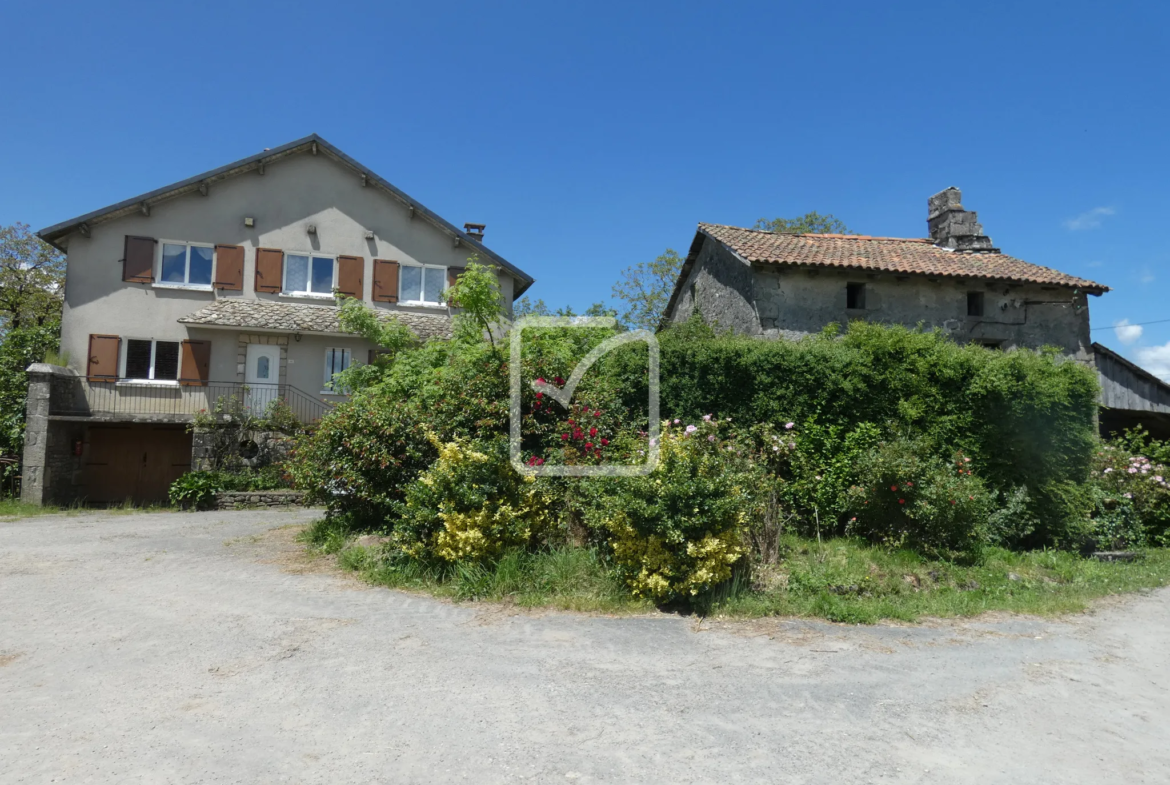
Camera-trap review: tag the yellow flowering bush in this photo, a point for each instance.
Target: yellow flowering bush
(676, 532)
(469, 505)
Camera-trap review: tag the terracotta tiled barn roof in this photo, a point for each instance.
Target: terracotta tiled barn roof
(886, 254)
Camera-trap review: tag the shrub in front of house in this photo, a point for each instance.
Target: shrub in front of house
(678, 532)
(907, 497)
(470, 505)
(197, 490)
(1133, 474)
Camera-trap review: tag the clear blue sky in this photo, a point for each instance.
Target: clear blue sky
(591, 136)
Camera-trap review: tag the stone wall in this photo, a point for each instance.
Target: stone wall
(239, 500)
(50, 472)
(720, 286)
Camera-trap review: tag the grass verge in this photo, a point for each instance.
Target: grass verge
(839, 580)
(14, 509)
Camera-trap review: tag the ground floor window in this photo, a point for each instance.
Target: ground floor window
(336, 361)
(151, 360)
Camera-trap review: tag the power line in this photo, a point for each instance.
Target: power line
(1138, 324)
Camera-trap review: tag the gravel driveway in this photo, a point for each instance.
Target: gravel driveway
(204, 648)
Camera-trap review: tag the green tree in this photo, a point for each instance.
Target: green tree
(645, 289)
(32, 278)
(809, 223)
(525, 307)
(476, 293)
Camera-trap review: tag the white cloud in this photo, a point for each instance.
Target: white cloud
(1156, 360)
(1127, 333)
(1089, 220)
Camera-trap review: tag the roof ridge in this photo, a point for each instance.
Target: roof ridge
(819, 235)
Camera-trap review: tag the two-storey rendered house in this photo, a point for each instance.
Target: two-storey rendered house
(224, 285)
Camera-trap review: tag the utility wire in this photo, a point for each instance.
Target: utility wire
(1138, 324)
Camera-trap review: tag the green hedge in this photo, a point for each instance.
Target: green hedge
(1028, 418)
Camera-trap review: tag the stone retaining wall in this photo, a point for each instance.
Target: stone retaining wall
(238, 500)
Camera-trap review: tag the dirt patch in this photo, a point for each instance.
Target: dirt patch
(9, 658)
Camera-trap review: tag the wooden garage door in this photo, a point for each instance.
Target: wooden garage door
(135, 462)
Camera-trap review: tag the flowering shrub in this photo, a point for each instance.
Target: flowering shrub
(908, 498)
(362, 457)
(469, 505)
(1129, 479)
(677, 532)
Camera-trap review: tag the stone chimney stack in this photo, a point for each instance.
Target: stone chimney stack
(474, 231)
(953, 227)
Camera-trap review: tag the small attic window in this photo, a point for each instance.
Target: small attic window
(855, 296)
(974, 303)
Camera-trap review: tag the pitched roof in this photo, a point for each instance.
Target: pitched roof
(886, 254)
(312, 143)
(297, 317)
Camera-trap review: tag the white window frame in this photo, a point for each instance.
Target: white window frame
(422, 284)
(327, 383)
(159, 283)
(286, 292)
(124, 350)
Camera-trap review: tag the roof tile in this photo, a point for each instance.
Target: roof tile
(297, 317)
(910, 256)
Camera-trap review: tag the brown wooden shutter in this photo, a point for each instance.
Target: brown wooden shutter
(269, 268)
(138, 259)
(453, 274)
(385, 281)
(351, 276)
(103, 358)
(195, 367)
(229, 267)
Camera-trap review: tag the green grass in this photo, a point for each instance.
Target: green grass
(840, 580)
(13, 509)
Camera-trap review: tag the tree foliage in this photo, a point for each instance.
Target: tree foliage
(476, 293)
(645, 289)
(809, 223)
(32, 279)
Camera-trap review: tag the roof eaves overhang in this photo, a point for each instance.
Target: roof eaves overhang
(313, 144)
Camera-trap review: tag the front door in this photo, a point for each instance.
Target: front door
(262, 375)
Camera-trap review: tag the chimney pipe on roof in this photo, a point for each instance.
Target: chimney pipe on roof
(953, 227)
(474, 231)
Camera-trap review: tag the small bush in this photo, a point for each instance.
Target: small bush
(196, 490)
(1125, 473)
(909, 498)
(470, 505)
(677, 532)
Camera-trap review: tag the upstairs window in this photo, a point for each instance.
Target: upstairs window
(855, 296)
(306, 274)
(185, 264)
(151, 360)
(421, 284)
(974, 303)
(336, 361)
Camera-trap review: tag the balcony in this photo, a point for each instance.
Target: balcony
(77, 398)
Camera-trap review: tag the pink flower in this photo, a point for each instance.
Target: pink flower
(691, 429)
(711, 438)
(1132, 470)
(789, 425)
(706, 418)
(1107, 470)
(676, 422)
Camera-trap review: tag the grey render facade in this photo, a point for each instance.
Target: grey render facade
(226, 282)
(788, 286)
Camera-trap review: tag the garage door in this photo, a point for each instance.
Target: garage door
(134, 462)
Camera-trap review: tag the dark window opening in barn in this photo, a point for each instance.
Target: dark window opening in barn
(986, 344)
(974, 303)
(855, 296)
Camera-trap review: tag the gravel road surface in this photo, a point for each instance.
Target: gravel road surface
(205, 648)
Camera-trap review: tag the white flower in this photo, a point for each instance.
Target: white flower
(711, 438)
(691, 429)
(706, 418)
(653, 442)
(1132, 470)
(789, 425)
(775, 449)
(1128, 495)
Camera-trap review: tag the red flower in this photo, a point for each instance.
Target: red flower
(588, 445)
(893, 487)
(597, 413)
(592, 431)
(564, 437)
(572, 423)
(605, 442)
(559, 380)
(901, 501)
(539, 396)
(952, 501)
(540, 381)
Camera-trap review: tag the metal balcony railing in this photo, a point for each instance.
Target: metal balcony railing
(181, 402)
